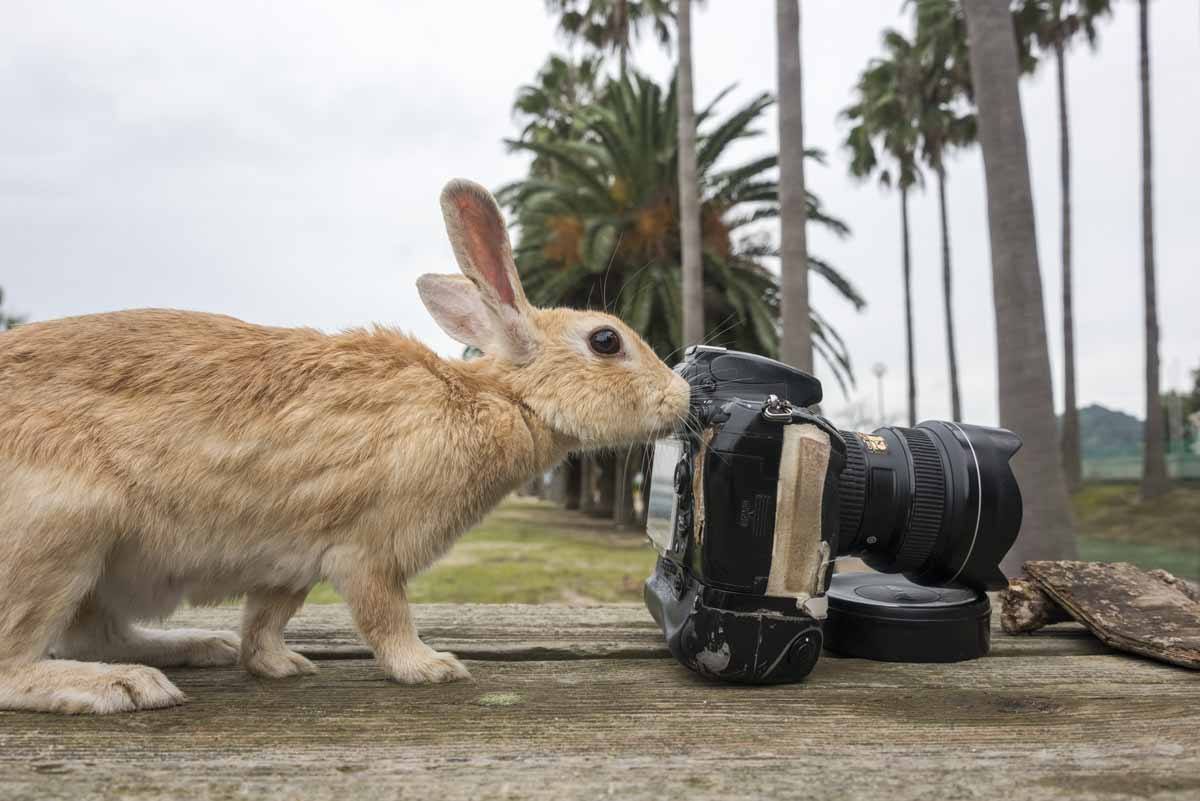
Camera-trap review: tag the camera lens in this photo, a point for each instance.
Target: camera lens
(938, 502)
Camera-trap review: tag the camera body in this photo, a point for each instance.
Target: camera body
(751, 502)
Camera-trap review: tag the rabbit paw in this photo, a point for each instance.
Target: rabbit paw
(106, 689)
(427, 666)
(211, 649)
(278, 664)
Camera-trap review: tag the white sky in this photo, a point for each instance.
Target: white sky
(281, 162)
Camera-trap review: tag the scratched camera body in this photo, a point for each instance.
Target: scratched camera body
(753, 499)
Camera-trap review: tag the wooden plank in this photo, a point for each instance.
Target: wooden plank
(523, 631)
(1126, 607)
(1018, 727)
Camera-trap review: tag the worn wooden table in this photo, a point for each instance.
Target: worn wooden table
(584, 703)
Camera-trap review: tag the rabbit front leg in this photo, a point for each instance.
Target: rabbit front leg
(381, 613)
(263, 620)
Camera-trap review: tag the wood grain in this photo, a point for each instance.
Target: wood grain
(565, 703)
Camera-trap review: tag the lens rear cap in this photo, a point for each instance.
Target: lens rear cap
(888, 618)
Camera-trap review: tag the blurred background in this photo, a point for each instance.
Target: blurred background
(280, 162)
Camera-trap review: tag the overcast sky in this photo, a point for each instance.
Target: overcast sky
(281, 162)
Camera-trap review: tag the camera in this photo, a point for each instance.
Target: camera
(753, 498)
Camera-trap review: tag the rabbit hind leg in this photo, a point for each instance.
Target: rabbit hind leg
(100, 633)
(41, 590)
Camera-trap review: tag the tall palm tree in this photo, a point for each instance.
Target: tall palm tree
(1154, 469)
(605, 230)
(796, 346)
(944, 122)
(1052, 25)
(885, 114)
(689, 187)
(612, 25)
(600, 226)
(1023, 375)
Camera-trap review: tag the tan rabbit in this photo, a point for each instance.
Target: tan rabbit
(149, 458)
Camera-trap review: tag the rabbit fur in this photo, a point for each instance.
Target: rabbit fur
(150, 458)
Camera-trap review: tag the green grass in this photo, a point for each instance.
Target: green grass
(533, 552)
(1116, 526)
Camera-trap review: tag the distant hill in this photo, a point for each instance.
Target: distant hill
(1105, 432)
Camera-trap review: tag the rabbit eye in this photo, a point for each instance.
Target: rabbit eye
(605, 342)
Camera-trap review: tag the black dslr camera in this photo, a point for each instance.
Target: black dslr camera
(754, 498)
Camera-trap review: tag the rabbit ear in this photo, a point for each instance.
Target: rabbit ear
(455, 304)
(461, 311)
(480, 241)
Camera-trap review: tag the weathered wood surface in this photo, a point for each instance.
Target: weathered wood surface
(1126, 607)
(583, 703)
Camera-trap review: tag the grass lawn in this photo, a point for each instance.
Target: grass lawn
(529, 551)
(1114, 526)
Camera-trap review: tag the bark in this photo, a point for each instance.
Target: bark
(1126, 607)
(947, 297)
(796, 345)
(587, 484)
(1071, 460)
(1023, 363)
(908, 315)
(605, 484)
(573, 468)
(1154, 470)
(689, 189)
(1024, 607)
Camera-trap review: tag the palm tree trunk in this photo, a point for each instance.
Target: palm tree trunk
(587, 483)
(573, 491)
(622, 14)
(908, 315)
(1071, 459)
(796, 345)
(605, 474)
(689, 189)
(1154, 470)
(1023, 363)
(951, 347)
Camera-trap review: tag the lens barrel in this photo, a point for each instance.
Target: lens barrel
(938, 502)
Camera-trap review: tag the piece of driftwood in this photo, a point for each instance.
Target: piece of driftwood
(1024, 607)
(1126, 607)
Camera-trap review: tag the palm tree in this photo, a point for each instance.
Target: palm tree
(612, 25)
(1154, 470)
(796, 346)
(549, 107)
(605, 230)
(944, 121)
(602, 229)
(689, 187)
(1023, 375)
(886, 111)
(1052, 25)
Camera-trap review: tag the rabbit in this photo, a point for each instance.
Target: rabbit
(153, 457)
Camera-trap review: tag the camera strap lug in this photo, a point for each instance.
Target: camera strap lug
(777, 410)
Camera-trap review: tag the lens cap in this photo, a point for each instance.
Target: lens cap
(888, 618)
